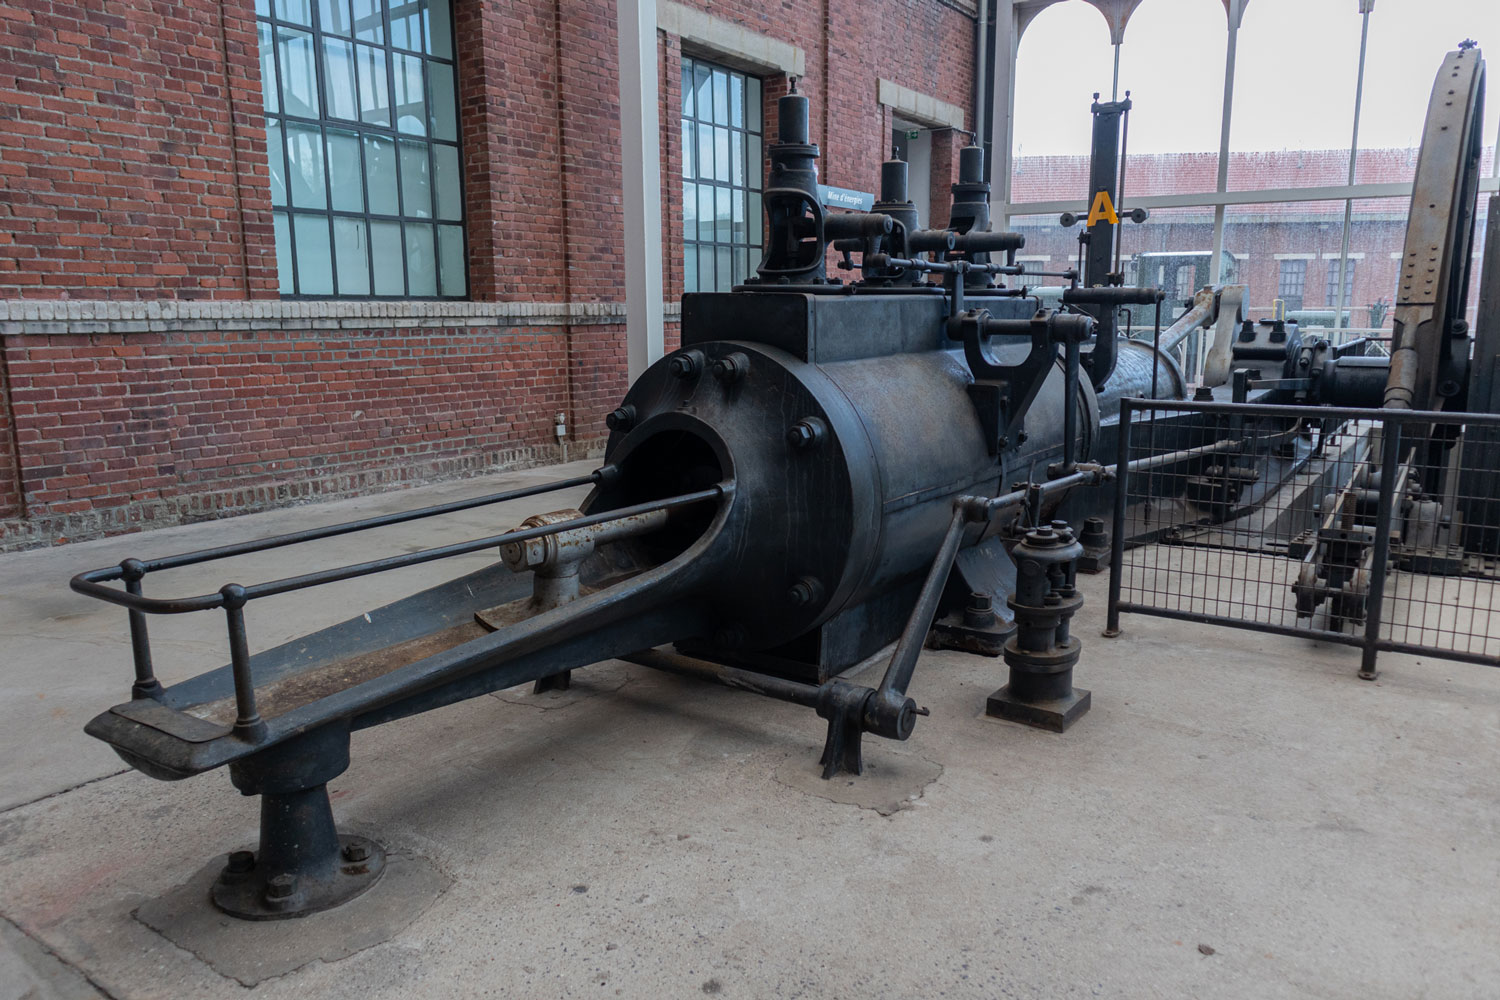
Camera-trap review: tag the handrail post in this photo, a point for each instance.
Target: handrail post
(146, 685)
(248, 724)
(1117, 540)
(1390, 457)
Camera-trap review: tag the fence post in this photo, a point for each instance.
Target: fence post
(1117, 531)
(1390, 459)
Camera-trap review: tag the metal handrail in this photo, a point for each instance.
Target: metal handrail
(233, 597)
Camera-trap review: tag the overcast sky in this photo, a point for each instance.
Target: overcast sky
(1295, 73)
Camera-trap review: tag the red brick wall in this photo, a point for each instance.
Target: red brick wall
(117, 431)
(132, 154)
(122, 154)
(10, 492)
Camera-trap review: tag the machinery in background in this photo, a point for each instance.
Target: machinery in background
(825, 469)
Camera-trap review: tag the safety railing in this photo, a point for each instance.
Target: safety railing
(1372, 528)
(232, 597)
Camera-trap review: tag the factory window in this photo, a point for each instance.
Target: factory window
(361, 107)
(1333, 284)
(721, 176)
(1291, 283)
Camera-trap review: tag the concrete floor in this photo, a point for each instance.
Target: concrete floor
(1238, 816)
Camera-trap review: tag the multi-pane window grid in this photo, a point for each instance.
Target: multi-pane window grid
(721, 176)
(1333, 283)
(361, 107)
(1291, 283)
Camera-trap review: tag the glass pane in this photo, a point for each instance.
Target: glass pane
(750, 261)
(737, 264)
(444, 113)
(725, 270)
(304, 146)
(689, 147)
(703, 94)
(411, 106)
(421, 264)
(352, 250)
(380, 176)
(344, 179)
(752, 104)
(295, 11)
(450, 200)
(737, 208)
(721, 215)
(705, 213)
(755, 166)
(283, 253)
(721, 97)
(369, 25)
(1051, 113)
(737, 158)
(335, 17)
(314, 260)
(755, 217)
(737, 101)
(416, 186)
(277, 160)
(385, 249)
(705, 150)
(439, 27)
(299, 73)
(262, 8)
(270, 94)
(690, 211)
(1174, 129)
(690, 268)
(406, 24)
(374, 98)
(451, 260)
(1271, 148)
(687, 88)
(721, 154)
(1406, 48)
(338, 78)
(706, 269)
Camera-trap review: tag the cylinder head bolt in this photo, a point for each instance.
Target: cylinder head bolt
(731, 368)
(807, 433)
(1042, 653)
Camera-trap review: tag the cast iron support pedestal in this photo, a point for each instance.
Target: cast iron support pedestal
(1042, 653)
(304, 864)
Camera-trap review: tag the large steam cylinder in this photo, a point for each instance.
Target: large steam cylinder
(1143, 372)
(847, 428)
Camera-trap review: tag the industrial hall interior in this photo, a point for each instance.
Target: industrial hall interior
(807, 499)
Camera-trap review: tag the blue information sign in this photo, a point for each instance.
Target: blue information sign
(835, 197)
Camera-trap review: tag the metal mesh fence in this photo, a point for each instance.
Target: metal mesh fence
(1374, 528)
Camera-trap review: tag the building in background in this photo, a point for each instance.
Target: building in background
(263, 251)
(257, 252)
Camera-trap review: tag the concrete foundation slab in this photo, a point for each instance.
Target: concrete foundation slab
(1238, 816)
(250, 952)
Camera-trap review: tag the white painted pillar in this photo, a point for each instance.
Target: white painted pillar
(1002, 112)
(640, 150)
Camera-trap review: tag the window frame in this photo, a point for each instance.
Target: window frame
(1296, 270)
(753, 181)
(266, 14)
(1331, 295)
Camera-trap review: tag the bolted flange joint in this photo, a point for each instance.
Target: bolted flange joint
(807, 433)
(622, 419)
(686, 365)
(731, 368)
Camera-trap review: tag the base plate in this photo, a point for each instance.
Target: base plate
(950, 632)
(246, 895)
(1054, 716)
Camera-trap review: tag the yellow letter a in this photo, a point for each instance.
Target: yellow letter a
(1102, 209)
